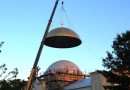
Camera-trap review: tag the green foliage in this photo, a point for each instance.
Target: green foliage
(10, 75)
(117, 63)
(1, 45)
(15, 84)
(14, 74)
(3, 69)
(9, 81)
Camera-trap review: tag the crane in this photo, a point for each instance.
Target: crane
(33, 71)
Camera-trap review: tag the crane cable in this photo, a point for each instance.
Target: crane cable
(63, 10)
(61, 20)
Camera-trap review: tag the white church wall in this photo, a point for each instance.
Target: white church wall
(97, 81)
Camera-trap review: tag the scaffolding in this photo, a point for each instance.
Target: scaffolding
(57, 79)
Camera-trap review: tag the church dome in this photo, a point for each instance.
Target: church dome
(62, 66)
(62, 38)
(62, 73)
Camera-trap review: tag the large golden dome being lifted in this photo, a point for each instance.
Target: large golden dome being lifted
(62, 38)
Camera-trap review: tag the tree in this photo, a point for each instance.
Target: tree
(3, 70)
(8, 80)
(15, 84)
(1, 45)
(11, 75)
(117, 63)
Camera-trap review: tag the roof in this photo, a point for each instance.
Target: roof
(79, 84)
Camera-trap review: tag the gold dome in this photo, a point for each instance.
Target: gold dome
(62, 38)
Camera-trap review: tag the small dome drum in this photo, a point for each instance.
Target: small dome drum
(62, 38)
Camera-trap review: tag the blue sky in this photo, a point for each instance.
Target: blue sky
(23, 23)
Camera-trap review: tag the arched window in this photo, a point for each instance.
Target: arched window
(95, 85)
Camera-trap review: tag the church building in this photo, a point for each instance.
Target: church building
(65, 75)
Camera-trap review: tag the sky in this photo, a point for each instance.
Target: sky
(23, 23)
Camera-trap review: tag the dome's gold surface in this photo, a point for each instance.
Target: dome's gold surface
(62, 38)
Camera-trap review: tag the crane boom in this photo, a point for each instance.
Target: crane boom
(33, 71)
